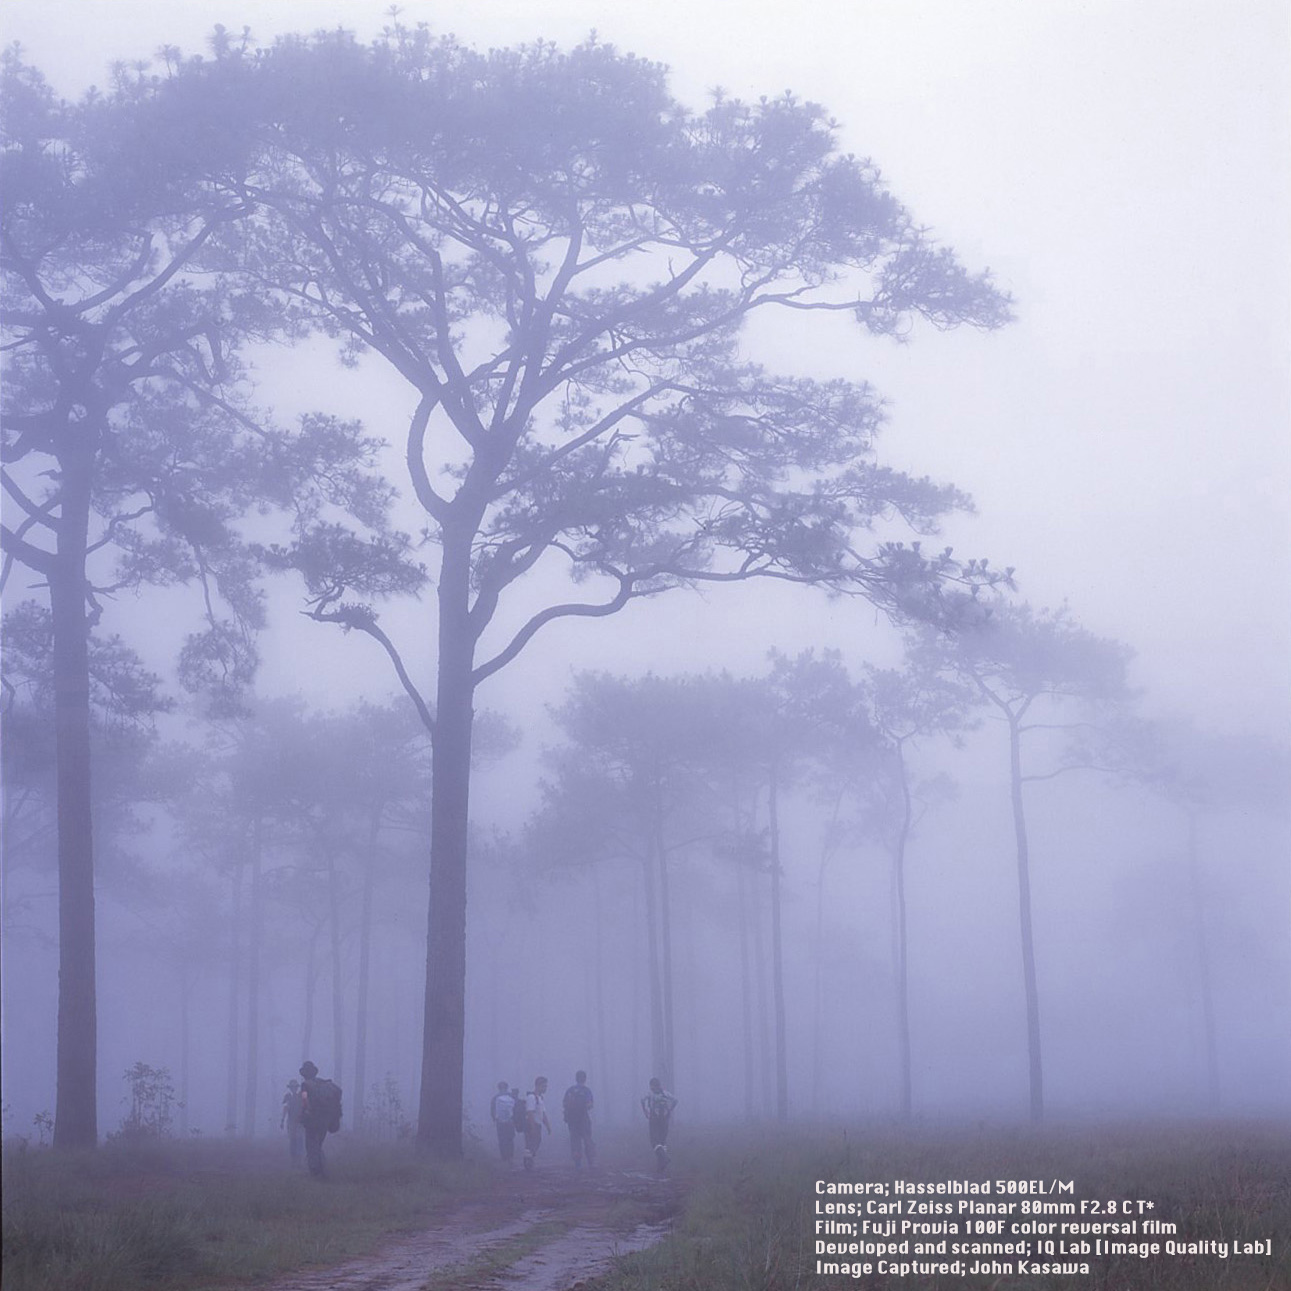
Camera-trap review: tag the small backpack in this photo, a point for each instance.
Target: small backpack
(519, 1116)
(324, 1106)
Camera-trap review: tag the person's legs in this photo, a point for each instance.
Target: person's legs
(506, 1140)
(576, 1143)
(659, 1139)
(314, 1151)
(532, 1141)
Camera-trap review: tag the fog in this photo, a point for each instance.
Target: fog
(261, 870)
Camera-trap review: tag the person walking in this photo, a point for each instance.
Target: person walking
(320, 1115)
(657, 1106)
(290, 1119)
(577, 1107)
(502, 1113)
(535, 1106)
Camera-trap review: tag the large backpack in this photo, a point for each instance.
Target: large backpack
(577, 1102)
(520, 1116)
(324, 1105)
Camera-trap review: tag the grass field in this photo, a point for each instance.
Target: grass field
(184, 1216)
(750, 1215)
(203, 1214)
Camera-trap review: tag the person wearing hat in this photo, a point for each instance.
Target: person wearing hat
(290, 1119)
(315, 1126)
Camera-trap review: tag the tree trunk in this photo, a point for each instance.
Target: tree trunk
(338, 980)
(829, 846)
(254, 926)
(658, 1044)
(903, 975)
(365, 962)
(602, 1040)
(439, 1128)
(185, 1019)
(311, 986)
(668, 1072)
(1035, 1069)
(235, 983)
(75, 1109)
(1203, 965)
(777, 957)
(761, 1008)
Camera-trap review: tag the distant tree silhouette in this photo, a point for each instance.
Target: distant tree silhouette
(1022, 661)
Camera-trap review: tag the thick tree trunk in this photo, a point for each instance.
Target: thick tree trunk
(777, 957)
(439, 1128)
(1035, 1068)
(76, 1113)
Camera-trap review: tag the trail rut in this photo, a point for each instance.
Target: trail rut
(545, 1231)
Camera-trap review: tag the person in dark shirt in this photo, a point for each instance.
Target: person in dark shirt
(577, 1107)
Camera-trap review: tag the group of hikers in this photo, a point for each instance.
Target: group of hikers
(311, 1109)
(526, 1116)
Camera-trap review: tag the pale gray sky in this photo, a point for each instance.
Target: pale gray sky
(1125, 168)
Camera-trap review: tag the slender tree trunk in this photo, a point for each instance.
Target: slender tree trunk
(1035, 1068)
(235, 985)
(762, 1006)
(746, 970)
(439, 1128)
(828, 847)
(338, 979)
(746, 993)
(185, 1021)
(602, 1040)
(903, 974)
(365, 961)
(777, 956)
(311, 987)
(1203, 965)
(75, 1108)
(668, 1073)
(254, 927)
(658, 1043)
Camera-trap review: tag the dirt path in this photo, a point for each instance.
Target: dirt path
(546, 1231)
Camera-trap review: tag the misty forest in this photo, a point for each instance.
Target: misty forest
(386, 423)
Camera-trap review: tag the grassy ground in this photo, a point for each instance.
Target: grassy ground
(749, 1218)
(190, 1216)
(177, 1216)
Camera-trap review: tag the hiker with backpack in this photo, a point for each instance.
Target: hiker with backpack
(320, 1114)
(535, 1106)
(657, 1106)
(502, 1114)
(578, 1116)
